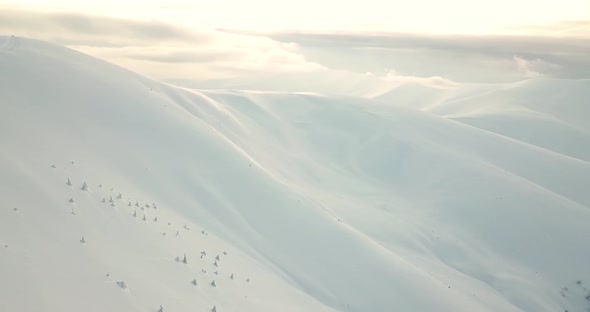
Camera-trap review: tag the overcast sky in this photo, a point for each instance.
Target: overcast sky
(262, 43)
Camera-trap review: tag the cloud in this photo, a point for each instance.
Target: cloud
(157, 49)
(535, 67)
(336, 62)
(579, 28)
(498, 45)
(463, 58)
(90, 30)
(435, 82)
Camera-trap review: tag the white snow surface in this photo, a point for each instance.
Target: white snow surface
(478, 202)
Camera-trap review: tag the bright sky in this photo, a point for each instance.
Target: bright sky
(430, 16)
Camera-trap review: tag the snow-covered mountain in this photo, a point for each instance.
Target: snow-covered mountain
(120, 193)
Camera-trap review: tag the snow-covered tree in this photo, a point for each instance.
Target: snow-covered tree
(119, 196)
(83, 240)
(69, 182)
(84, 186)
(231, 276)
(213, 283)
(214, 309)
(111, 199)
(161, 309)
(135, 213)
(71, 200)
(194, 282)
(122, 284)
(217, 258)
(156, 219)
(184, 259)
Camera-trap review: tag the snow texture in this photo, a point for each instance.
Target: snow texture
(476, 201)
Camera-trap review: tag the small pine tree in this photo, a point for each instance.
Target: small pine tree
(119, 196)
(156, 219)
(194, 282)
(144, 218)
(184, 259)
(214, 309)
(83, 241)
(111, 199)
(104, 200)
(161, 309)
(231, 276)
(84, 186)
(135, 214)
(129, 204)
(69, 182)
(71, 200)
(217, 258)
(213, 283)
(215, 264)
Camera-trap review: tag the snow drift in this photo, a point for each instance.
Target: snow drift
(254, 201)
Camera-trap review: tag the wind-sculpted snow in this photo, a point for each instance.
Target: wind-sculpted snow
(187, 200)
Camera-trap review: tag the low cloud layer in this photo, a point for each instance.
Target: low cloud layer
(363, 63)
(464, 58)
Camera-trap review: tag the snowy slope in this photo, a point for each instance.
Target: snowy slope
(323, 203)
(549, 113)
